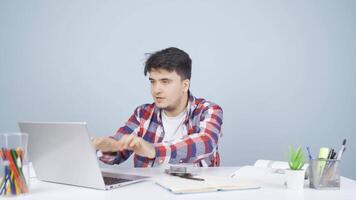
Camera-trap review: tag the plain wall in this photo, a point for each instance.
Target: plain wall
(284, 72)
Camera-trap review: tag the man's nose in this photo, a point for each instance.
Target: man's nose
(157, 88)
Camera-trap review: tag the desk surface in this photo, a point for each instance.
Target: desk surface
(149, 190)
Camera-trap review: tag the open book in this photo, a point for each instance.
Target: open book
(179, 185)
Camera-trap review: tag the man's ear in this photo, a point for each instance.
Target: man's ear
(186, 85)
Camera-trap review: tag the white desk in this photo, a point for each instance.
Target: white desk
(149, 190)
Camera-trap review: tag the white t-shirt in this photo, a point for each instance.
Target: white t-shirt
(174, 127)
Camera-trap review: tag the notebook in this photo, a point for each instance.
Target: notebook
(266, 177)
(267, 173)
(179, 185)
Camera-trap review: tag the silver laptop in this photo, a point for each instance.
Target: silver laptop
(62, 153)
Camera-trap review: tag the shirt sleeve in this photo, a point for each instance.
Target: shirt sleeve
(196, 146)
(131, 126)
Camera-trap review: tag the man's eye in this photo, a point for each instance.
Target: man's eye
(165, 81)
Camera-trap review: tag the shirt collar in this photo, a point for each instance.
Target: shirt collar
(191, 107)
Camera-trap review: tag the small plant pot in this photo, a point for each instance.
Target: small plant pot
(295, 179)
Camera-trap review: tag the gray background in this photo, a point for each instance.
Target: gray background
(283, 71)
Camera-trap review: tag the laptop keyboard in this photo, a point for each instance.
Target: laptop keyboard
(112, 180)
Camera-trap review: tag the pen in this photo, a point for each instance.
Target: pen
(342, 149)
(330, 154)
(309, 153)
(186, 176)
(333, 155)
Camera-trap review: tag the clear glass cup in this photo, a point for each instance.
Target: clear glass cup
(14, 165)
(324, 174)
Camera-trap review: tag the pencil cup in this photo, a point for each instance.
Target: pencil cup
(324, 174)
(14, 167)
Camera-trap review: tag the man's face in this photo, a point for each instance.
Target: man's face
(167, 88)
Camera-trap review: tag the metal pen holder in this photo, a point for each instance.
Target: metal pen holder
(324, 173)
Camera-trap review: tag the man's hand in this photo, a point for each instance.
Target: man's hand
(106, 144)
(138, 145)
(129, 142)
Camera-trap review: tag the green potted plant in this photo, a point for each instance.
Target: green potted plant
(295, 174)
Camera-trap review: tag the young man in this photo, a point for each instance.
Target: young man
(176, 128)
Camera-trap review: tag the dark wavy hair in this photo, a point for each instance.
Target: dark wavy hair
(170, 59)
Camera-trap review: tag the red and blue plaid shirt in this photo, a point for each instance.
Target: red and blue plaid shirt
(200, 146)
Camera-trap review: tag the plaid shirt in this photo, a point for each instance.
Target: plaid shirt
(200, 145)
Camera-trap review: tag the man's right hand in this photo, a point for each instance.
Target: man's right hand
(106, 144)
